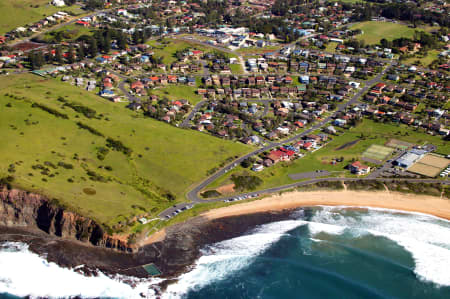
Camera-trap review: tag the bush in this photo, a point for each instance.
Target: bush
(102, 152)
(65, 165)
(89, 129)
(245, 182)
(118, 146)
(86, 111)
(50, 110)
(210, 194)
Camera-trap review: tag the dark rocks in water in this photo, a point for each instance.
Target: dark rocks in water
(179, 250)
(70, 240)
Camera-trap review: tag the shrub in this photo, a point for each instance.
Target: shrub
(210, 193)
(89, 129)
(65, 165)
(118, 146)
(246, 182)
(86, 111)
(50, 110)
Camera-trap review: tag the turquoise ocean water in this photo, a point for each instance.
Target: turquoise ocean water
(328, 252)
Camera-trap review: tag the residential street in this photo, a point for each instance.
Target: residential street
(193, 194)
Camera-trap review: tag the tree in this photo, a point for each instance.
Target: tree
(107, 42)
(93, 48)
(36, 59)
(81, 53)
(122, 41)
(58, 54)
(71, 54)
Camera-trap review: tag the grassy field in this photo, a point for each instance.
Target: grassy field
(178, 92)
(68, 33)
(374, 31)
(55, 156)
(17, 13)
(366, 134)
(423, 60)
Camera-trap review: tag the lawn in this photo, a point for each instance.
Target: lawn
(42, 147)
(236, 69)
(250, 50)
(344, 146)
(178, 92)
(167, 48)
(374, 31)
(17, 13)
(331, 47)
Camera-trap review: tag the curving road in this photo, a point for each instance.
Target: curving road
(193, 194)
(187, 119)
(298, 184)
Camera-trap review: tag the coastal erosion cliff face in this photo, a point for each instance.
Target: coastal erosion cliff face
(23, 209)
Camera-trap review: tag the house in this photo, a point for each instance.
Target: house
(359, 169)
(393, 77)
(277, 156)
(331, 130)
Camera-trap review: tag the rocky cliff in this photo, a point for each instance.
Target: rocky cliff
(24, 209)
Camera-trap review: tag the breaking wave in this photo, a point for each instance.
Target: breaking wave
(28, 274)
(427, 238)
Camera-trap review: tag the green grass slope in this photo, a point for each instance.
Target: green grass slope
(47, 151)
(15, 13)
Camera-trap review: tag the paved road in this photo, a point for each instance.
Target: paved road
(187, 119)
(299, 184)
(193, 194)
(122, 88)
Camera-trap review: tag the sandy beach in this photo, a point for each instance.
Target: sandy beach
(383, 199)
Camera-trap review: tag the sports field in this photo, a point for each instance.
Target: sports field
(374, 31)
(398, 144)
(95, 156)
(430, 165)
(377, 152)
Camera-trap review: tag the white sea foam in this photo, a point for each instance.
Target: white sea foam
(426, 237)
(225, 258)
(24, 273)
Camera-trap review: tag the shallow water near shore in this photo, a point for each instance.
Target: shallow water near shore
(326, 252)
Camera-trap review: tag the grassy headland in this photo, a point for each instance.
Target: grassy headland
(95, 156)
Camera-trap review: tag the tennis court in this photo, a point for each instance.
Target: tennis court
(377, 152)
(398, 144)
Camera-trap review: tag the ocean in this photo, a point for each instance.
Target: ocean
(320, 252)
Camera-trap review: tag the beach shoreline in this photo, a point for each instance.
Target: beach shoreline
(175, 249)
(426, 204)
